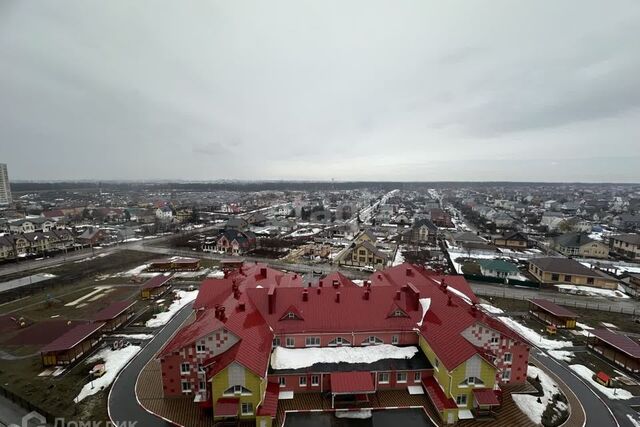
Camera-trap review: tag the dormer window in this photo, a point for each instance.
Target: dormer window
(291, 315)
(372, 340)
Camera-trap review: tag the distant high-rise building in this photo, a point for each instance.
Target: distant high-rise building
(5, 188)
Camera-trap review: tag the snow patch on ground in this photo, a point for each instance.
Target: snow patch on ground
(361, 414)
(183, 298)
(114, 361)
(611, 393)
(534, 337)
(591, 291)
(134, 336)
(216, 274)
(528, 403)
(296, 358)
(565, 355)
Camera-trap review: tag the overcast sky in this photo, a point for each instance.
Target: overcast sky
(374, 90)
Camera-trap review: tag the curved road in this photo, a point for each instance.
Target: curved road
(122, 403)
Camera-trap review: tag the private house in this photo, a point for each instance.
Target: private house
(552, 314)
(92, 236)
(231, 241)
(6, 248)
(632, 284)
(257, 219)
(440, 218)
(72, 345)
(422, 232)
(59, 239)
(551, 271)
(164, 213)
(427, 332)
(30, 225)
(552, 219)
(619, 349)
(499, 268)
(236, 223)
(502, 220)
(626, 246)
(627, 222)
(467, 237)
(580, 245)
(115, 315)
(363, 254)
(155, 287)
(515, 240)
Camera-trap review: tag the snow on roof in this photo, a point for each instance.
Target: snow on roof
(425, 303)
(296, 358)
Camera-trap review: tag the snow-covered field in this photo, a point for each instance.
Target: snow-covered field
(296, 358)
(591, 291)
(184, 298)
(529, 404)
(114, 360)
(611, 393)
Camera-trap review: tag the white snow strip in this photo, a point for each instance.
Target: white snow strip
(534, 337)
(399, 259)
(565, 355)
(114, 361)
(462, 295)
(216, 274)
(611, 393)
(362, 414)
(529, 403)
(491, 309)
(96, 290)
(609, 325)
(296, 358)
(583, 326)
(425, 303)
(591, 291)
(134, 336)
(635, 420)
(184, 298)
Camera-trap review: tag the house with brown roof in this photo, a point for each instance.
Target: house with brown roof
(580, 245)
(626, 246)
(617, 348)
(551, 271)
(514, 240)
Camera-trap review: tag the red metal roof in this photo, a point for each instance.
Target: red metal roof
(486, 396)
(73, 337)
(226, 407)
(618, 341)
(212, 292)
(437, 396)
(554, 309)
(269, 406)
(114, 310)
(157, 281)
(352, 382)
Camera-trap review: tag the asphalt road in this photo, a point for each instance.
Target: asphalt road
(122, 402)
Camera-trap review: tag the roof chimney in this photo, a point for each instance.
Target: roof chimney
(217, 310)
(366, 294)
(320, 284)
(337, 296)
(241, 306)
(236, 294)
(449, 301)
(398, 295)
(263, 272)
(409, 272)
(336, 283)
(222, 313)
(271, 295)
(319, 289)
(305, 295)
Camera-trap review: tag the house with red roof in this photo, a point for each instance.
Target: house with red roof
(260, 332)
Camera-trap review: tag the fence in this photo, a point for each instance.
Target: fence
(25, 404)
(568, 302)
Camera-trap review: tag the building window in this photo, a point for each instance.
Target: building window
(312, 341)
(495, 340)
(555, 277)
(236, 389)
(417, 377)
(291, 315)
(507, 358)
(338, 341)
(383, 377)
(247, 408)
(371, 340)
(276, 342)
(567, 278)
(203, 385)
(282, 381)
(291, 342)
(302, 381)
(185, 368)
(200, 348)
(589, 280)
(401, 377)
(315, 380)
(506, 374)
(471, 380)
(395, 340)
(461, 400)
(186, 386)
